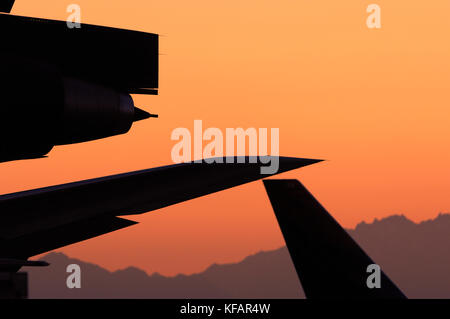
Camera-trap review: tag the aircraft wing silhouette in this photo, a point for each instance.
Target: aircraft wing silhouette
(40, 220)
(329, 263)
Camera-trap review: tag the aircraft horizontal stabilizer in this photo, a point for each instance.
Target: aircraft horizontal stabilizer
(40, 220)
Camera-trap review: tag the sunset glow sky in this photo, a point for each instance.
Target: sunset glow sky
(374, 103)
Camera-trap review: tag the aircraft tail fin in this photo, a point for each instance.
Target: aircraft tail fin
(329, 263)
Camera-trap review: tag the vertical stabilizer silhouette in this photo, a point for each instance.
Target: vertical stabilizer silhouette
(329, 263)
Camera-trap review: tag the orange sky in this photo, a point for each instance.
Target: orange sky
(374, 103)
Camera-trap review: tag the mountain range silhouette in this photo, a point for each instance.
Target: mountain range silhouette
(415, 256)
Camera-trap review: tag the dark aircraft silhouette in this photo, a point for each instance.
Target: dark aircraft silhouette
(6, 5)
(63, 86)
(329, 263)
(40, 220)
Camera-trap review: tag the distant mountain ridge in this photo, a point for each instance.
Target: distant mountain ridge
(247, 279)
(415, 256)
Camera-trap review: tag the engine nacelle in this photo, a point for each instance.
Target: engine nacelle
(92, 111)
(40, 108)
